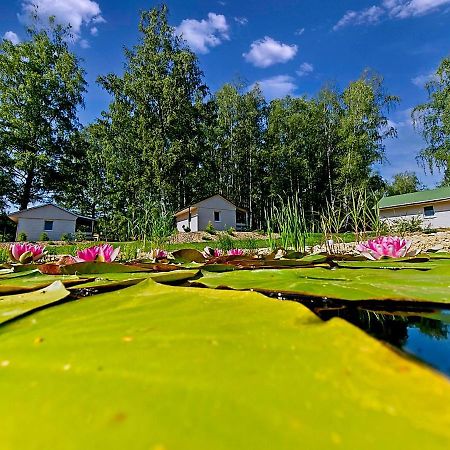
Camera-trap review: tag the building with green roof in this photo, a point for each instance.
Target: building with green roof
(432, 206)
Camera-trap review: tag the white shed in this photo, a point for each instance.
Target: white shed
(432, 206)
(216, 209)
(50, 219)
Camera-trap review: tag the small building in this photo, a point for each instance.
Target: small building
(217, 210)
(52, 220)
(432, 206)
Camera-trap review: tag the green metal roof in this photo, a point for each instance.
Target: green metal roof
(415, 197)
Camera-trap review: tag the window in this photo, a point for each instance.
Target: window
(48, 225)
(428, 211)
(216, 216)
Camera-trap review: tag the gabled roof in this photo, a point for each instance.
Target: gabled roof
(427, 196)
(195, 205)
(17, 214)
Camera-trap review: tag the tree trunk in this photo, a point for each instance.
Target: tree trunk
(26, 194)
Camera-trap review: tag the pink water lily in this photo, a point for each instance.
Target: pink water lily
(209, 252)
(385, 247)
(98, 253)
(26, 253)
(158, 254)
(235, 252)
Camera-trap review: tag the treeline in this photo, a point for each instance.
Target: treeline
(166, 141)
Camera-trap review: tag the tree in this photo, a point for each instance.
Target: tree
(404, 183)
(362, 131)
(41, 86)
(237, 136)
(152, 135)
(433, 118)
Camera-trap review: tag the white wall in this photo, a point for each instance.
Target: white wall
(184, 221)
(441, 218)
(206, 210)
(33, 228)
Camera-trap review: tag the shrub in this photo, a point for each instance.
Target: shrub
(80, 236)
(44, 237)
(210, 228)
(408, 225)
(67, 237)
(225, 242)
(22, 237)
(230, 231)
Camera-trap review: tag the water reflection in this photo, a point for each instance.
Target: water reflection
(423, 334)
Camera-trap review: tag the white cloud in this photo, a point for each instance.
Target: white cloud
(299, 32)
(241, 20)
(368, 15)
(397, 9)
(94, 31)
(408, 8)
(11, 36)
(84, 43)
(77, 13)
(421, 80)
(277, 87)
(201, 35)
(305, 69)
(267, 52)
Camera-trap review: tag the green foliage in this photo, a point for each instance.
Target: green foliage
(41, 87)
(67, 237)
(404, 183)
(210, 228)
(230, 231)
(4, 254)
(225, 242)
(22, 236)
(288, 219)
(408, 225)
(433, 119)
(44, 237)
(149, 140)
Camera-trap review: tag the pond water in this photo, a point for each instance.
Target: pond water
(423, 334)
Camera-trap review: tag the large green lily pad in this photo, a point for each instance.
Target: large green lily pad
(161, 367)
(32, 280)
(12, 306)
(342, 283)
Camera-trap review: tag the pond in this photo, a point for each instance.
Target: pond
(421, 333)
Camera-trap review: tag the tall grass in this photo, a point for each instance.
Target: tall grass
(288, 219)
(151, 224)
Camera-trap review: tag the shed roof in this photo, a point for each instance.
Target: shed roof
(15, 215)
(194, 205)
(415, 197)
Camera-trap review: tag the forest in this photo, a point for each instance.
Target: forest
(165, 140)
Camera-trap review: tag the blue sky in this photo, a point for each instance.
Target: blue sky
(289, 46)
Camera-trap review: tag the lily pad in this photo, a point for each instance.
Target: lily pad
(138, 367)
(32, 280)
(12, 306)
(342, 283)
(188, 255)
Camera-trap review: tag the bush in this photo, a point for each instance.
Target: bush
(80, 236)
(67, 237)
(408, 225)
(44, 237)
(225, 242)
(210, 228)
(22, 237)
(230, 231)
